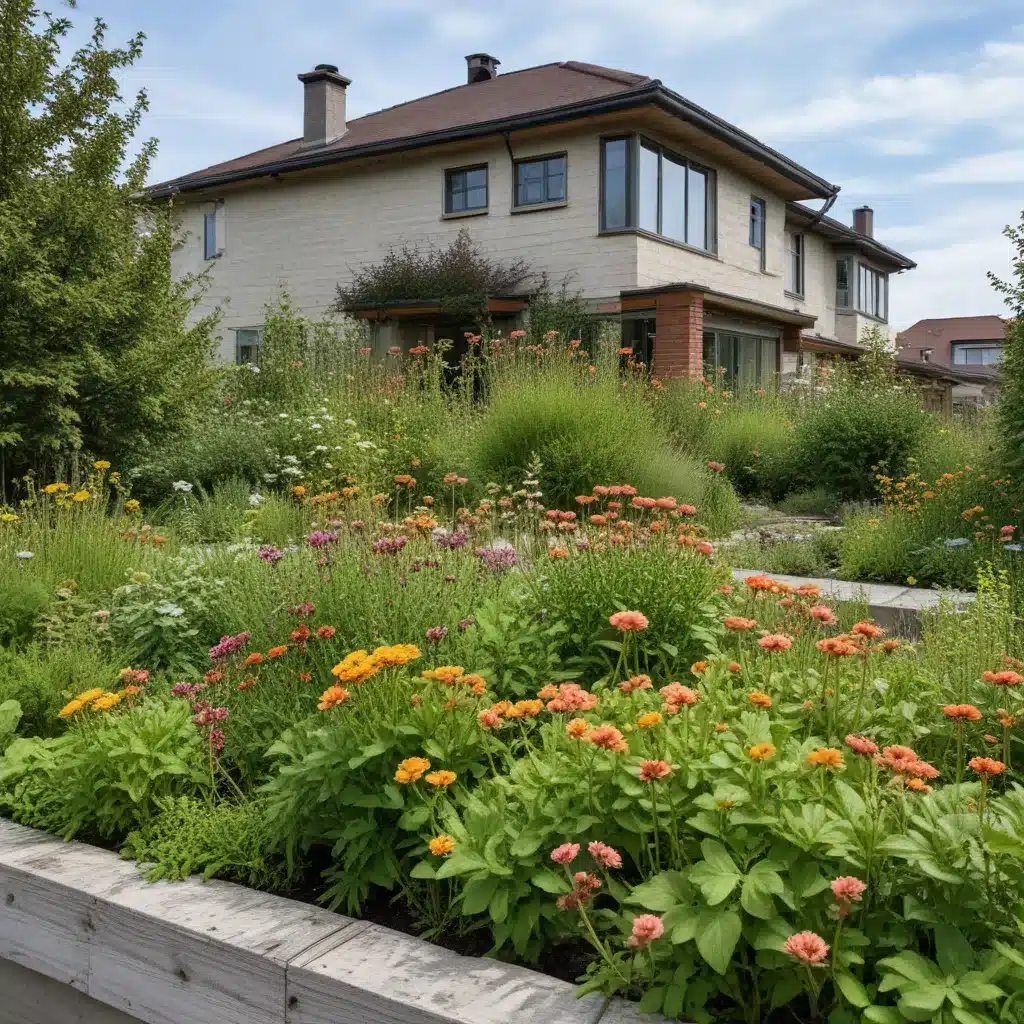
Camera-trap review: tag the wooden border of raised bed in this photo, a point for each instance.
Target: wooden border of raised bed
(85, 939)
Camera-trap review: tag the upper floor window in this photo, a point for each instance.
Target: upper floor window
(465, 189)
(794, 283)
(213, 230)
(757, 222)
(248, 342)
(983, 353)
(843, 284)
(540, 181)
(872, 292)
(647, 187)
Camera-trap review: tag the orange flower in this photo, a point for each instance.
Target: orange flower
(305, 677)
(1005, 678)
(548, 691)
(253, 659)
(698, 668)
(411, 769)
(721, 726)
(447, 674)
(629, 622)
(332, 697)
(867, 629)
(650, 771)
(918, 785)
(577, 728)
(525, 709)
(761, 582)
(489, 719)
(249, 682)
(836, 646)
(734, 666)
(441, 845)
(301, 633)
(986, 766)
(648, 720)
(759, 699)
(761, 751)
(739, 623)
(826, 757)
(442, 778)
(276, 652)
(968, 711)
(775, 642)
(822, 613)
(608, 738)
(325, 632)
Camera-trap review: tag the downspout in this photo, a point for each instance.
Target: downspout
(829, 203)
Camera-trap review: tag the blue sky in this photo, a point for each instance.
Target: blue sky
(915, 107)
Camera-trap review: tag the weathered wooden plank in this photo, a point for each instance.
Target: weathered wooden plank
(389, 978)
(212, 953)
(31, 998)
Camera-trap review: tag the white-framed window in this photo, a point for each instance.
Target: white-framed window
(213, 230)
(977, 353)
(872, 292)
(248, 344)
(794, 283)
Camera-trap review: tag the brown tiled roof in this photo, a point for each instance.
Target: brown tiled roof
(549, 93)
(943, 331)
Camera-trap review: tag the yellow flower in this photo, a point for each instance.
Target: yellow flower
(411, 769)
(911, 581)
(399, 654)
(577, 728)
(356, 667)
(71, 708)
(54, 488)
(298, 491)
(442, 845)
(106, 702)
(80, 496)
(9, 517)
(332, 697)
(827, 757)
(90, 695)
(652, 718)
(101, 464)
(446, 674)
(132, 505)
(441, 778)
(761, 751)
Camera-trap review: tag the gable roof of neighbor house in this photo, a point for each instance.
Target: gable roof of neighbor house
(949, 374)
(941, 332)
(547, 94)
(840, 233)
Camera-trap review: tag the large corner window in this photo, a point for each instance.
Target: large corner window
(248, 342)
(872, 292)
(985, 353)
(465, 189)
(540, 181)
(748, 360)
(794, 283)
(647, 187)
(842, 284)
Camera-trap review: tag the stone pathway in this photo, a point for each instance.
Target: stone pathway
(896, 608)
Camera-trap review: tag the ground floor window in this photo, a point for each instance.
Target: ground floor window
(248, 342)
(749, 360)
(638, 334)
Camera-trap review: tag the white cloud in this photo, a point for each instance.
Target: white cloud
(900, 146)
(1002, 168)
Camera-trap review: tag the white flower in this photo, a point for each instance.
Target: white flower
(291, 471)
(253, 367)
(330, 419)
(269, 477)
(321, 448)
(24, 554)
(290, 458)
(255, 499)
(365, 445)
(316, 426)
(350, 422)
(167, 608)
(282, 415)
(182, 485)
(327, 465)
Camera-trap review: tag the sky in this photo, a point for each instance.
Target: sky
(914, 107)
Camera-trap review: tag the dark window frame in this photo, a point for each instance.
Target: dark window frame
(448, 192)
(799, 282)
(757, 203)
(964, 347)
(881, 284)
(257, 345)
(544, 158)
(633, 143)
(846, 262)
(212, 248)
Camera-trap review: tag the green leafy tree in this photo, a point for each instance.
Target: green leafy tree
(98, 351)
(1011, 398)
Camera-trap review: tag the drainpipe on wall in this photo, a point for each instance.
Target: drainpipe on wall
(829, 203)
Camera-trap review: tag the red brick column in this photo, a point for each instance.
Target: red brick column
(679, 334)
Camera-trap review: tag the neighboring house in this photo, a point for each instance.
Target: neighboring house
(661, 214)
(971, 346)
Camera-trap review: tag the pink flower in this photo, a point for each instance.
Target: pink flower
(646, 928)
(586, 881)
(822, 613)
(848, 889)
(861, 745)
(629, 622)
(566, 853)
(605, 855)
(806, 947)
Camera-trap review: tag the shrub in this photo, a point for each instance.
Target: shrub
(22, 600)
(1011, 397)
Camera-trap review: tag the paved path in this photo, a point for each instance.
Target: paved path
(896, 608)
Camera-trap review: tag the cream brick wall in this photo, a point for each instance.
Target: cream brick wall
(309, 233)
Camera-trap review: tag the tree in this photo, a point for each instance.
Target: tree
(98, 351)
(1011, 370)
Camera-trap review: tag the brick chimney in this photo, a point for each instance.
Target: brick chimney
(481, 67)
(864, 221)
(323, 104)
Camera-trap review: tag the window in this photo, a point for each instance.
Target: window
(843, 284)
(211, 249)
(638, 334)
(248, 342)
(748, 360)
(757, 223)
(794, 263)
(540, 181)
(980, 354)
(465, 190)
(872, 291)
(673, 197)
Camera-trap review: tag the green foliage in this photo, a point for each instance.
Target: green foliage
(99, 351)
(22, 600)
(10, 716)
(1011, 375)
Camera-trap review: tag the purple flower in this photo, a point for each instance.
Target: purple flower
(188, 690)
(389, 545)
(208, 715)
(582, 545)
(445, 538)
(436, 634)
(270, 554)
(498, 557)
(321, 538)
(216, 740)
(228, 645)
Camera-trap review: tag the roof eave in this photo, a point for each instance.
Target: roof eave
(832, 228)
(648, 92)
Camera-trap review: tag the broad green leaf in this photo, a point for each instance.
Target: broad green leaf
(662, 892)
(952, 951)
(761, 883)
(1009, 952)
(851, 988)
(974, 987)
(499, 905)
(921, 999)
(772, 934)
(883, 1015)
(914, 967)
(652, 1000)
(423, 870)
(413, 818)
(965, 1016)
(718, 931)
(672, 1006)
(461, 862)
(806, 878)
(786, 989)
(716, 875)
(549, 881)
(476, 896)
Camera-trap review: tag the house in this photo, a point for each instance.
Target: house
(971, 346)
(694, 234)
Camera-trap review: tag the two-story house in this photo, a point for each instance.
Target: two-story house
(690, 230)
